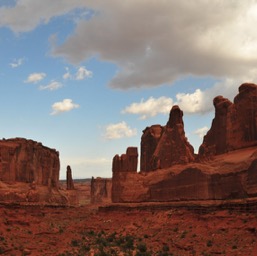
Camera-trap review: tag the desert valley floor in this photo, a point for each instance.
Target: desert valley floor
(86, 231)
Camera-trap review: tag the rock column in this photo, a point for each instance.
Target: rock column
(69, 180)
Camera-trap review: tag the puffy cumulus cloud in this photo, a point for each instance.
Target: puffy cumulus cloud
(63, 106)
(16, 62)
(83, 73)
(165, 40)
(191, 103)
(52, 86)
(118, 131)
(150, 107)
(201, 131)
(35, 78)
(26, 15)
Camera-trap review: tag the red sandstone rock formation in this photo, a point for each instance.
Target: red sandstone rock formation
(234, 125)
(229, 174)
(29, 173)
(162, 147)
(28, 161)
(226, 176)
(101, 189)
(126, 162)
(69, 180)
(121, 166)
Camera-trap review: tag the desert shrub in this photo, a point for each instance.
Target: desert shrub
(209, 243)
(74, 243)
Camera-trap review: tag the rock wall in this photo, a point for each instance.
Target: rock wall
(101, 189)
(234, 125)
(28, 161)
(162, 147)
(227, 176)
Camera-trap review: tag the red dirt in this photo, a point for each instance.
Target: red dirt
(84, 230)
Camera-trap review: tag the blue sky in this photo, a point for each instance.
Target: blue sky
(86, 77)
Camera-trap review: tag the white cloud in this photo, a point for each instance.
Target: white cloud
(166, 40)
(83, 73)
(63, 106)
(191, 103)
(150, 107)
(16, 63)
(201, 101)
(54, 85)
(35, 77)
(201, 131)
(118, 131)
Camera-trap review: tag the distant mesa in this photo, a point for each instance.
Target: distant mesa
(224, 168)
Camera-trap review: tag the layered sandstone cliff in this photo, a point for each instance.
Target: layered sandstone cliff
(29, 172)
(225, 168)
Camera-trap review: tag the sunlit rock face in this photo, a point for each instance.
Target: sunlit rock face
(29, 161)
(29, 173)
(234, 125)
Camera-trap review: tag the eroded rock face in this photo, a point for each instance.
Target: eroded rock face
(28, 161)
(126, 162)
(162, 147)
(234, 125)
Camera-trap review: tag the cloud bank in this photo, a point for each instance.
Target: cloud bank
(151, 42)
(157, 42)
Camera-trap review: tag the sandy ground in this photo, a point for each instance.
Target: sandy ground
(85, 231)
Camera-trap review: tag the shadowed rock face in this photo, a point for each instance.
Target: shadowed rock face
(28, 161)
(162, 147)
(234, 125)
